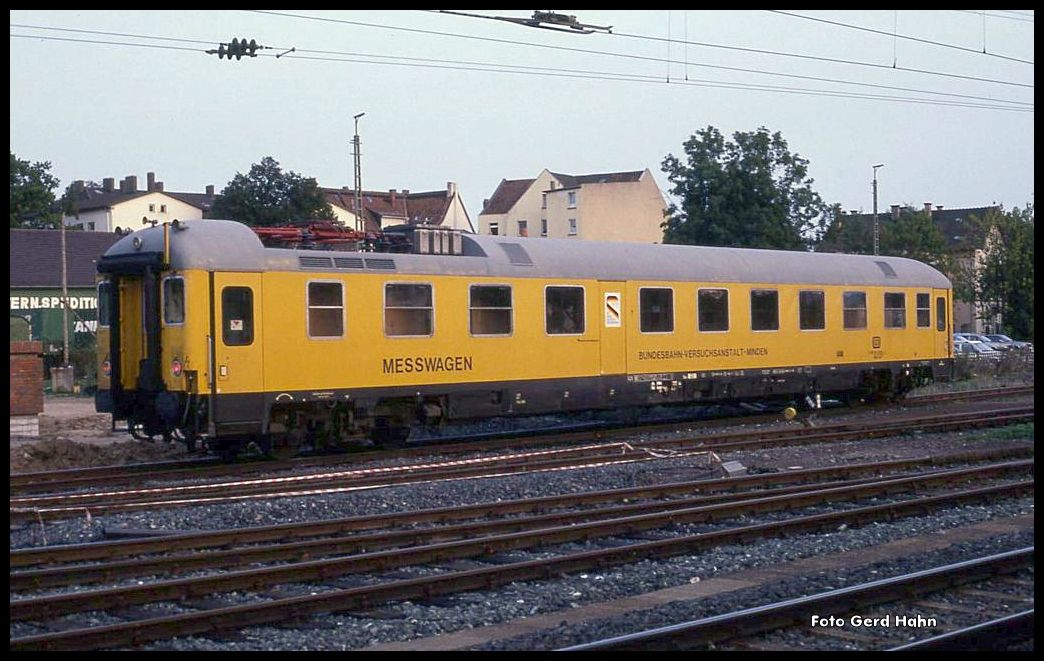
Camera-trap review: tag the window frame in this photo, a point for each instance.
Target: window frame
(384, 307)
(728, 312)
(107, 300)
(163, 301)
(510, 309)
(309, 307)
(940, 313)
(641, 312)
(494, 228)
(224, 316)
(571, 199)
(574, 227)
(918, 309)
(822, 294)
(887, 309)
(583, 300)
(865, 309)
(750, 297)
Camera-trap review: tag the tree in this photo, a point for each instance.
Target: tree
(33, 203)
(268, 196)
(751, 192)
(912, 234)
(1005, 283)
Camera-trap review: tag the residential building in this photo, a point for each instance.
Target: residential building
(106, 208)
(614, 206)
(382, 209)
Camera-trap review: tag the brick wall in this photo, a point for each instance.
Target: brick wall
(26, 378)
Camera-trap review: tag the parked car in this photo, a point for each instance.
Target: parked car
(977, 337)
(1004, 340)
(975, 350)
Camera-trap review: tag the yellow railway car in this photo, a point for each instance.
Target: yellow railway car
(205, 333)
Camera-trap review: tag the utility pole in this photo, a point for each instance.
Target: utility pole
(877, 230)
(359, 225)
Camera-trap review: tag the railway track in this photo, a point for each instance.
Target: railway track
(860, 607)
(311, 540)
(65, 505)
(333, 596)
(86, 478)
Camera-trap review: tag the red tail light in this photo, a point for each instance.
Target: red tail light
(175, 367)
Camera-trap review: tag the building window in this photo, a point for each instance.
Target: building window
(104, 289)
(572, 227)
(408, 310)
(924, 310)
(543, 227)
(764, 309)
(237, 316)
(163, 208)
(152, 208)
(854, 304)
(564, 310)
(174, 300)
(490, 310)
(572, 199)
(712, 310)
(523, 228)
(325, 309)
(895, 310)
(494, 229)
(811, 310)
(90, 225)
(543, 200)
(940, 313)
(657, 310)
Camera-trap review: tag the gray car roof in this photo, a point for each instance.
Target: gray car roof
(222, 245)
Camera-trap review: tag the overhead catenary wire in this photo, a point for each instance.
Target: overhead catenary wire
(597, 75)
(560, 73)
(898, 36)
(759, 51)
(600, 73)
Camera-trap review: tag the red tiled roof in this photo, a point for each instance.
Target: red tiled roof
(506, 195)
(379, 210)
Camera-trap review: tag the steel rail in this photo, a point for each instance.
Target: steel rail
(714, 629)
(291, 531)
(54, 605)
(202, 622)
(20, 581)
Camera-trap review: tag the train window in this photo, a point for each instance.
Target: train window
(173, 300)
(564, 310)
(895, 310)
(408, 310)
(940, 313)
(325, 309)
(104, 288)
(764, 309)
(854, 304)
(657, 310)
(490, 309)
(713, 310)
(811, 310)
(924, 310)
(237, 316)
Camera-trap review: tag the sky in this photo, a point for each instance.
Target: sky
(943, 99)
